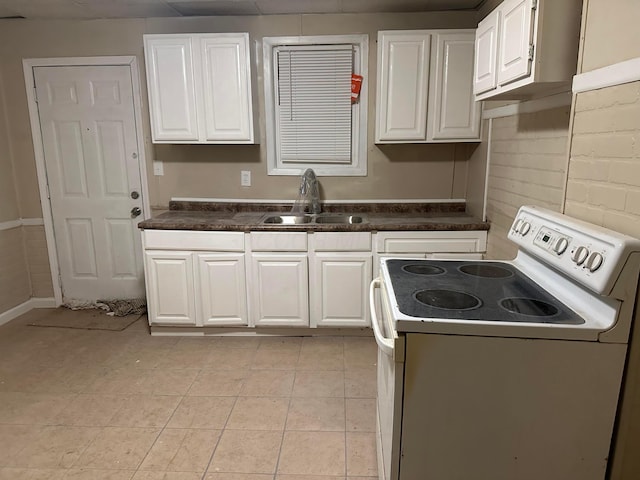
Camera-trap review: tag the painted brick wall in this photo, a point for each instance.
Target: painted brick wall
(603, 187)
(604, 172)
(14, 276)
(527, 166)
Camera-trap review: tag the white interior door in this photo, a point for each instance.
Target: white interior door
(90, 148)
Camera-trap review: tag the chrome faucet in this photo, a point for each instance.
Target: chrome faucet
(309, 189)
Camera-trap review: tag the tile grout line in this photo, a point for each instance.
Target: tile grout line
(165, 425)
(284, 427)
(344, 356)
(224, 428)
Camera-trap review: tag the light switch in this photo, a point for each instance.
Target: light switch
(158, 168)
(245, 178)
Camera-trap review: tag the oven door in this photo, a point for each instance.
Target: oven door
(390, 382)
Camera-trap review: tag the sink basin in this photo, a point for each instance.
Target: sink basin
(288, 219)
(329, 218)
(343, 219)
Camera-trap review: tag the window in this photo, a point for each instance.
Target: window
(310, 120)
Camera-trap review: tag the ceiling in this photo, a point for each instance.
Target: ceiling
(88, 9)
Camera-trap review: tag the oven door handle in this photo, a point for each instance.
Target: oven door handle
(385, 344)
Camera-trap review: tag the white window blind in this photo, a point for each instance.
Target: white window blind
(313, 105)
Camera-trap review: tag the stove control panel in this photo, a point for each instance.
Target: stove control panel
(552, 241)
(587, 253)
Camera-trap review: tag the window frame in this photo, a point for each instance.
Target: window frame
(358, 164)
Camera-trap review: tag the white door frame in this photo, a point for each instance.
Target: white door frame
(38, 148)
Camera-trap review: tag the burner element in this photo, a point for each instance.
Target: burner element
(529, 306)
(422, 269)
(448, 299)
(487, 271)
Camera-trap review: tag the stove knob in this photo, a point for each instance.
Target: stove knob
(561, 245)
(594, 262)
(517, 226)
(524, 229)
(580, 255)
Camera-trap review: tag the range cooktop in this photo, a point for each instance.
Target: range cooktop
(481, 290)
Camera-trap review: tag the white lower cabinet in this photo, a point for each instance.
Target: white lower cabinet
(195, 278)
(222, 292)
(279, 279)
(340, 273)
(339, 289)
(443, 245)
(280, 294)
(170, 287)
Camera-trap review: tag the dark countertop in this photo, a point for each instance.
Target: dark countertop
(245, 217)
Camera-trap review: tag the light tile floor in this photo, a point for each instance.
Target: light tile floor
(94, 405)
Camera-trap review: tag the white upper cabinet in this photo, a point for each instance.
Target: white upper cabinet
(226, 80)
(526, 48)
(514, 61)
(403, 79)
(454, 115)
(425, 93)
(171, 85)
(486, 63)
(199, 88)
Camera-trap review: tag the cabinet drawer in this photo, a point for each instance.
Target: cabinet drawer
(190, 240)
(431, 242)
(341, 241)
(278, 241)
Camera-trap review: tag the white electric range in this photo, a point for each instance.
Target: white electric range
(505, 370)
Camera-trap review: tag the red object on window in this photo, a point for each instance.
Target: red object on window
(356, 85)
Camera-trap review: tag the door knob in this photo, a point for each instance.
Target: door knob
(135, 211)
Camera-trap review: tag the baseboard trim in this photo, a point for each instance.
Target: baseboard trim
(257, 200)
(15, 312)
(186, 331)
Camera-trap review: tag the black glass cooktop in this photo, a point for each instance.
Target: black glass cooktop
(490, 291)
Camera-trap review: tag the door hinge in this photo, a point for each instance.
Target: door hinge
(48, 192)
(531, 50)
(35, 93)
(534, 4)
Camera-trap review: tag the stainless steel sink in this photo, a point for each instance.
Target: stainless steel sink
(288, 219)
(339, 219)
(327, 218)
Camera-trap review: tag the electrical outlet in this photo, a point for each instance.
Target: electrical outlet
(245, 178)
(158, 168)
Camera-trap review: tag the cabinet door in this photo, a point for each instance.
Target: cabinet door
(280, 290)
(227, 88)
(515, 38)
(340, 289)
(222, 289)
(403, 76)
(170, 289)
(170, 80)
(454, 113)
(487, 34)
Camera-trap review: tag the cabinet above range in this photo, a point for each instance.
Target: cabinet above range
(527, 48)
(199, 88)
(425, 87)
